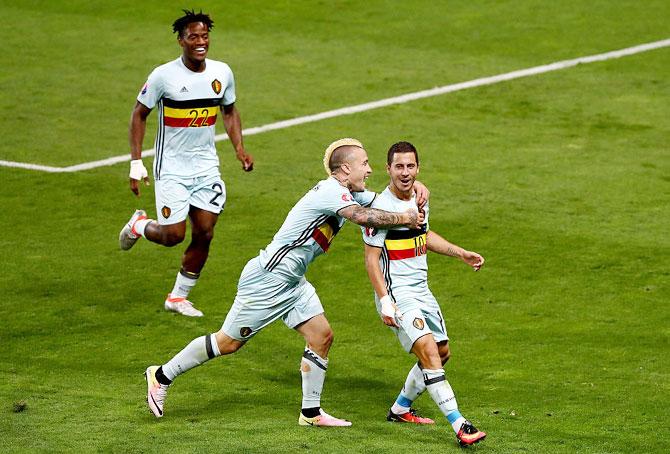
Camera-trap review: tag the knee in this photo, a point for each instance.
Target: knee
(328, 338)
(172, 238)
(321, 343)
(203, 236)
(227, 344)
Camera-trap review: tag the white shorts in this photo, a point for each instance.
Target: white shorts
(262, 298)
(417, 316)
(175, 196)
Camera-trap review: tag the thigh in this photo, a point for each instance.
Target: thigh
(315, 329)
(209, 194)
(172, 201)
(434, 319)
(261, 299)
(202, 222)
(305, 305)
(413, 326)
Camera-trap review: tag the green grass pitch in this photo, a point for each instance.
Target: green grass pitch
(561, 181)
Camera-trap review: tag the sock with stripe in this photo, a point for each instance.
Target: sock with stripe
(313, 370)
(441, 392)
(184, 283)
(200, 350)
(411, 390)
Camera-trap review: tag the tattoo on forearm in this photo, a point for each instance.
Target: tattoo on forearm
(452, 252)
(371, 217)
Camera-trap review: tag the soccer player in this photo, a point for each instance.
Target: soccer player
(273, 284)
(395, 260)
(188, 93)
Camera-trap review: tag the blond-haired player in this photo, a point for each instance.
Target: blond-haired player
(273, 285)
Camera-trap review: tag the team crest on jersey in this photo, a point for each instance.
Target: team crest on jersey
(244, 332)
(216, 86)
(418, 323)
(166, 211)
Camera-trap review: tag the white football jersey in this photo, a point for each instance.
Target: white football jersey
(309, 228)
(403, 258)
(188, 106)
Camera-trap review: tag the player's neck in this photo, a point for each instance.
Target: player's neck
(402, 195)
(193, 65)
(342, 179)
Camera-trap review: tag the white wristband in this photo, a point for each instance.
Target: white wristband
(137, 170)
(388, 309)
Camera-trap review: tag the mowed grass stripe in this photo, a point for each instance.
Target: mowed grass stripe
(401, 99)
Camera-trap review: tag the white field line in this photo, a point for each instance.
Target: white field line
(374, 104)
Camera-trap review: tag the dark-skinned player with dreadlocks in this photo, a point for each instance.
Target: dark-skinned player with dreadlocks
(188, 94)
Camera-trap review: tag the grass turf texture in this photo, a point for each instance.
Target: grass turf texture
(561, 181)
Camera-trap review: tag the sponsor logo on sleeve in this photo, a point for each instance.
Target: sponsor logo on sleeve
(346, 197)
(245, 332)
(144, 89)
(370, 231)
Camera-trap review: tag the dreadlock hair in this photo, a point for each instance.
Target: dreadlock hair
(188, 18)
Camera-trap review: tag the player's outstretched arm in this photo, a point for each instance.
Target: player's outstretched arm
(377, 280)
(136, 131)
(372, 217)
(436, 243)
(233, 124)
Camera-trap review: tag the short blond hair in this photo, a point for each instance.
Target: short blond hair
(334, 146)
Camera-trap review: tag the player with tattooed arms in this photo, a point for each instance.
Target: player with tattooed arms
(273, 285)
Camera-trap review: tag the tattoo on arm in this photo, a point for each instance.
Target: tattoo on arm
(372, 217)
(451, 252)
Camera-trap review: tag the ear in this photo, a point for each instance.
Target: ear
(346, 168)
(388, 169)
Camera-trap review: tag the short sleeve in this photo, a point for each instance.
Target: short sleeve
(152, 91)
(333, 198)
(365, 198)
(229, 92)
(373, 236)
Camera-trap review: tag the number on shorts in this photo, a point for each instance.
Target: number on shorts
(216, 187)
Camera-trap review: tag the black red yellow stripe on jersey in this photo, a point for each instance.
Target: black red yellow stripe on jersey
(405, 244)
(190, 113)
(324, 233)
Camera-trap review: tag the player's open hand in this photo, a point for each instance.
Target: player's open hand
(137, 172)
(473, 259)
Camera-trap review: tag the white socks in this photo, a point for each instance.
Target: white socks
(200, 350)
(411, 390)
(313, 371)
(141, 225)
(441, 392)
(184, 284)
